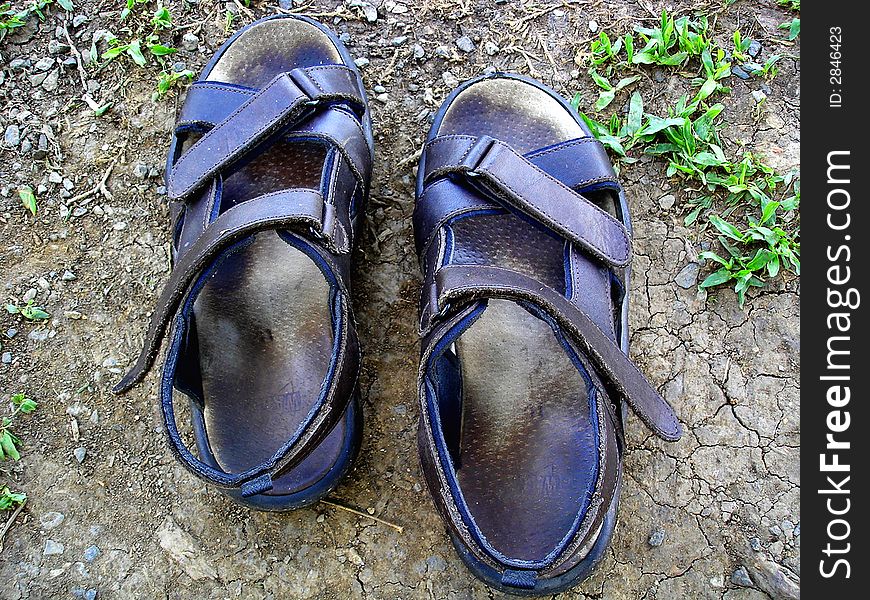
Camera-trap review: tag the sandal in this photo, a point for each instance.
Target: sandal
(524, 238)
(268, 172)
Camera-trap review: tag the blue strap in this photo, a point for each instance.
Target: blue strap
(524, 580)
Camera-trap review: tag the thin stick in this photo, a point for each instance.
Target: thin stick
(100, 187)
(9, 524)
(77, 55)
(334, 504)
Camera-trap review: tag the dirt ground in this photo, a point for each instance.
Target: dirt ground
(714, 516)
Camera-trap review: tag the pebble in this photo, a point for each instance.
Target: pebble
(667, 201)
(44, 64)
(11, 332)
(398, 41)
(379, 89)
(54, 177)
(449, 79)
(19, 64)
(754, 48)
(774, 530)
(656, 538)
(6, 358)
(759, 96)
(91, 553)
(491, 48)
(418, 51)
(382, 98)
(12, 136)
(49, 84)
(687, 278)
(52, 548)
(285, 4)
(787, 527)
(80, 454)
(740, 577)
(79, 20)
(370, 12)
(68, 276)
(29, 295)
(755, 544)
(190, 41)
(465, 44)
(79, 211)
(361, 62)
(140, 171)
(740, 72)
(593, 26)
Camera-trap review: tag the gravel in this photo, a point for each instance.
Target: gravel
(656, 538)
(465, 44)
(12, 136)
(740, 577)
(52, 548)
(687, 278)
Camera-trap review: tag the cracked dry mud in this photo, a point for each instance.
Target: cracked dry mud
(136, 525)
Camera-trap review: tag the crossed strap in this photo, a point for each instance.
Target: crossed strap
(497, 176)
(324, 103)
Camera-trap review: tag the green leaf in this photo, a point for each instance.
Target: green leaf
(161, 50)
(726, 228)
(635, 114)
(28, 199)
(600, 81)
(604, 100)
(625, 82)
(657, 124)
(718, 278)
(134, 49)
(67, 5)
(8, 446)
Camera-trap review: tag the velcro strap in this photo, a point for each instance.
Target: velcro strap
(464, 283)
(496, 168)
(271, 211)
(580, 163)
(284, 100)
(210, 102)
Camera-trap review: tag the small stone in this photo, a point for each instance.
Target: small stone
(140, 171)
(656, 538)
(79, 211)
(398, 41)
(449, 79)
(739, 72)
(687, 278)
(54, 177)
(667, 201)
(774, 530)
(755, 544)
(759, 96)
(593, 26)
(754, 48)
(418, 51)
(370, 13)
(68, 276)
(12, 136)
(787, 527)
(52, 548)
(379, 89)
(44, 64)
(491, 48)
(11, 332)
(80, 454)
(49, 84)
(285, 4)
(465, 44)
(361, 62)
(190, 41)
(79, 20)
(119, 226)
(382, 98)
(6, 358)
(91, 594)
(741, 577)
(29, 295)
(91, 553)
(442, 52)
(57, 47)
(19, 64)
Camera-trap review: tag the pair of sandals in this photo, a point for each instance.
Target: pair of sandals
(524, 239)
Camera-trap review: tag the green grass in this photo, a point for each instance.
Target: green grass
(11, 18)
(29, 311)
(10, 446)
(763, 239)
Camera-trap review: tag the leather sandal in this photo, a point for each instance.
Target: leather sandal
(267, 175)
(524, 238)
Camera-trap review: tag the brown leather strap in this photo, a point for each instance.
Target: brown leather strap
(518, 182)
(284, 100)
(473, 282)
(286, 208)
